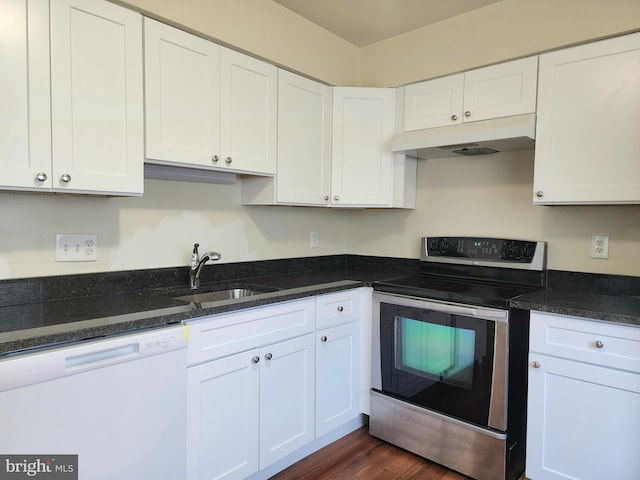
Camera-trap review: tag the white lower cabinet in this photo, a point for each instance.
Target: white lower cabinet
(584, 400)
(263, 385)
(337, 376)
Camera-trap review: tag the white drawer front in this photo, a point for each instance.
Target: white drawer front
(337, 308)
(225, 334)
(585, 340)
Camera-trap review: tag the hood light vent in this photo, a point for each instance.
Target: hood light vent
(475, 151)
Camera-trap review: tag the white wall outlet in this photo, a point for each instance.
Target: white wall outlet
(75, 247)
(600, 246)
(313, 239)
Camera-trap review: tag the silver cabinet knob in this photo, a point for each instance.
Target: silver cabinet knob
(599, 344)
(215, 159)
(41, 177)
(340, 308)
(336, 197)
(539, 194)
(454, 117)
(268, 356)
(228, 160)
(467, 114)
(66, 178)
(255, 359)
(326, 198)
(536, 364)
(323, 338)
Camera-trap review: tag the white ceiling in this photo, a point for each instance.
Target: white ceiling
(363, 22)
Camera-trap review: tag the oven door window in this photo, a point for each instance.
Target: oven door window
(439, 361)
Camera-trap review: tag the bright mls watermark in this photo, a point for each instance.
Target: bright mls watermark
(49, 467)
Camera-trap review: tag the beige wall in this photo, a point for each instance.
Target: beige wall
(268, 30)
(500, 31)
(485, 196)
(492, 196)
(158, 229)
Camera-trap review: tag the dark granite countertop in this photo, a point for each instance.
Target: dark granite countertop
(36, 320)
(54, 311)
(606, 298)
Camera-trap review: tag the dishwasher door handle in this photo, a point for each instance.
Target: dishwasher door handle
(101, 358)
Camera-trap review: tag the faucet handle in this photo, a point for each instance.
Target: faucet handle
(195, 248)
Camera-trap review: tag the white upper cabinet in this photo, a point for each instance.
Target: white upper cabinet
(304, 147)
(248, 104)
(206, 105)
(92, 90)
(25, 122)
(96, 97)
(496, 91)
(363, 164)
(182, 95)
(587, 140)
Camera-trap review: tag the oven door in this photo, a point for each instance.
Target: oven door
(447, 358)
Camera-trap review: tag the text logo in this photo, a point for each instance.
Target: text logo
(43, 467)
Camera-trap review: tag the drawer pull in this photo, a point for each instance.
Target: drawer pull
(340, 308)
(255, 359)
(599, 344)
(323, 338)
(536, 364)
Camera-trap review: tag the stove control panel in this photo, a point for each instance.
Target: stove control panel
(481, 249)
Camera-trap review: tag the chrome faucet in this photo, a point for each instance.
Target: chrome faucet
(196, 264)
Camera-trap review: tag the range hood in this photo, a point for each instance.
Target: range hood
(474, 138)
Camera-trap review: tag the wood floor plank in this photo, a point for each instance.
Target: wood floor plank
(359, 456)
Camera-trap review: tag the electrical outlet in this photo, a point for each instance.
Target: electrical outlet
(75, 247)
(600, 246)
(313, 239)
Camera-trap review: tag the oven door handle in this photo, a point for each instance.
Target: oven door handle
(474, 312)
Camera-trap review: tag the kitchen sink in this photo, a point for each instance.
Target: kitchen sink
(227, 294)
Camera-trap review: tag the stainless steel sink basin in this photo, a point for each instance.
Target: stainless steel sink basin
(229, 294)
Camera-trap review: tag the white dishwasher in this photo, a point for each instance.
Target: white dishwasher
(118, 403)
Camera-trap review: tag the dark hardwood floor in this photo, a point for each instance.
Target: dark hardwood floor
(361, 456)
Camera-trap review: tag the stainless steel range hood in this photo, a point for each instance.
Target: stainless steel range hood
(473, 138)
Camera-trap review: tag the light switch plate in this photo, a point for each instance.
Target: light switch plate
(76, 247)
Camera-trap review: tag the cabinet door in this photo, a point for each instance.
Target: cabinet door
(25, 125)
(434, 103)
(248, 103)
(583, 421)
(287, 394)
(96, 97)
(337, 379)
(362, 160)
(304, 140)
(182, 92)
(222, 417)
(587, 138)
(500, 90)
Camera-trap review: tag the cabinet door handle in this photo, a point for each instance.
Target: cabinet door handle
(539, 194)
(66, 178)
(467, 114)
(215, 159)
(323, 338)
(228, 160)
(326, 198)
(41, 177)
(255, 359)
(340, 308)
(268, 356)
(536, 364)
(454, 117)
(336, 197)
(599, 344)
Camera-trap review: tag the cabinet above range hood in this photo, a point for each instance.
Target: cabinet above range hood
(474, 138)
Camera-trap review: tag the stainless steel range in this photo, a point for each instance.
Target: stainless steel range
(449, 356)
